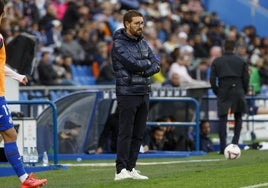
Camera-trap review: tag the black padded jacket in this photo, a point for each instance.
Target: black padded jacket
(133, 64)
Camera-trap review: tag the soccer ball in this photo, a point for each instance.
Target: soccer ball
(232, 151)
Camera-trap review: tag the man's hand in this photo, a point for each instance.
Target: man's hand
(145, 148)
(99, 150)
(24, 80)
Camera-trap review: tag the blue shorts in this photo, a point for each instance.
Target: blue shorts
(5, 115)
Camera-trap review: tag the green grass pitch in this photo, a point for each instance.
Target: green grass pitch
(211, 170)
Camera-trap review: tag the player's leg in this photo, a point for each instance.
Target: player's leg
(9, 136)
(12, 153)
(14, 158)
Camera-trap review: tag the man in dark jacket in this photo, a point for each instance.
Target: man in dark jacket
(68, 138)
(133, 64)
(229, 81)
(206, 144)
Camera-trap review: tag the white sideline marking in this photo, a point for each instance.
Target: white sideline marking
(141, 163)
(258, 185)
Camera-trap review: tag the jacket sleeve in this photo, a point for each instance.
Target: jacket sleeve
(213, 78)
(155, 67)
(131, 63)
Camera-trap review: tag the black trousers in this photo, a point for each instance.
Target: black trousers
(133, 111)
(223, 127)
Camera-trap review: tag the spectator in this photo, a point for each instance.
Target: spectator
(180, 67)
(46, 74)
(262, 71)
(187, 52)
(182, 39)
(30, 11)
(71, 47)
(206, 144)
(151, 37)
(254, 79)
(40, 35)
(60, 8)
(175, 138)
(72, 15)
(171, 43)
(157, 139)
(242, 52)
(232, 34)
(84, 39)
(49, 16)
(101, 57)
(199, 73)
(214, 33)
(53, 33)
(174, 81)
(172, 139)
(255, 49)
(106, 75)
(165, 30)
(195, 6)
(214, 52)
(67, 138)
(62, 68)
(67, 63)
(200, 48)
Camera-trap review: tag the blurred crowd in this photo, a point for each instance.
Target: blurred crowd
(182, 33)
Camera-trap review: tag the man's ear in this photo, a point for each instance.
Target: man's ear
(127, 24)
(3, 14)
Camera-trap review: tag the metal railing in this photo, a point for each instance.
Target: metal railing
(195, 123)
(55, 122)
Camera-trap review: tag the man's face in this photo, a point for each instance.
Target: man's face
(158, 135)
(175, 79)
(205, 128)
(135, 27)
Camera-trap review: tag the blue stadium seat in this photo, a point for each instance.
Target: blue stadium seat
(53, 95)
(23, 96)
(37, 95)
(88, 70)
(78, 80)
(79, 69)
(74, 71)
(83, 75)
(91, 80)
